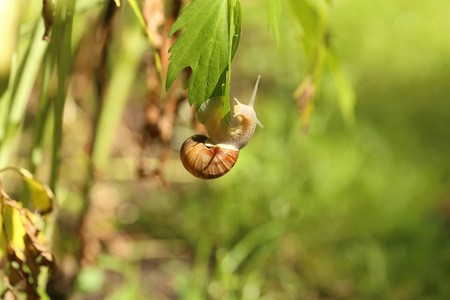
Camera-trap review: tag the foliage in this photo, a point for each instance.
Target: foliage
(28, 259)
(342, 212)
(207, 45)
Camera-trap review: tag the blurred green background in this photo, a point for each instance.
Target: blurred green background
(346, 211)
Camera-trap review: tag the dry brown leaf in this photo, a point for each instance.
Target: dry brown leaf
(305, 96)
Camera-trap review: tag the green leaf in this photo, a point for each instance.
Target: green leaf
(237, 28)
(274, 18)
(311, 16)
(347, 97)
(41, 196)
(203, 46)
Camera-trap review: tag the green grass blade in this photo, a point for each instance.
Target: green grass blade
(42, 114)
(24, 79)
(123, 74)
(65, 11)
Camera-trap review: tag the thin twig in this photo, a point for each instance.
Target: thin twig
(141, 20)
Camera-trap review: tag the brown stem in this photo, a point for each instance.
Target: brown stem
(161, 111)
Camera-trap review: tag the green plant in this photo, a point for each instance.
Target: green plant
(40, 91)
(209, 41)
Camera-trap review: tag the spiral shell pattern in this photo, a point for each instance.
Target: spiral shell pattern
(207, 161)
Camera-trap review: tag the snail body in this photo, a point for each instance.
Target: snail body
(213, 156)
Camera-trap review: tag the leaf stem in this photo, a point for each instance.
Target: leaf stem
(227, 100)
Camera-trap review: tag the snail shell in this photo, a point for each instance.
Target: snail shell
(205, 160)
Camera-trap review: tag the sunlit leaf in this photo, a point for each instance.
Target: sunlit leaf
(41, 196)
(203, 46)
(14, 231)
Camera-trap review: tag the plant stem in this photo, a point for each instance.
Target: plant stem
(141, 20)
(227, 101)
(42, 113)
(65, 11)
(122, 77)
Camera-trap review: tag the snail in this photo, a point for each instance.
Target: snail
(213, 156)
